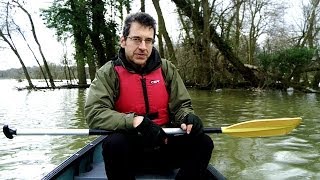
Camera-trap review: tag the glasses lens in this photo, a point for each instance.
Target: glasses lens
(148, 41)
(138, 40)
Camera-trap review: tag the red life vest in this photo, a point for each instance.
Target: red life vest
(143, 95)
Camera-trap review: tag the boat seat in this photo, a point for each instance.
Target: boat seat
(98, 173)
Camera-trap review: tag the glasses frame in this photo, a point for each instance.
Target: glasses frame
(138, 40)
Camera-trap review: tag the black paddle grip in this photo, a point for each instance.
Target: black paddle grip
(8, 132)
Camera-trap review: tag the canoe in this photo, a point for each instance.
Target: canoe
(87, 164)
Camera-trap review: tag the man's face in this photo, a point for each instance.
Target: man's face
(139, 43)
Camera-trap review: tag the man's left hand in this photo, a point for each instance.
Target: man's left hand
(192, 124)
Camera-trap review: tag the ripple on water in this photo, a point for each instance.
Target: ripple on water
(288, 142)
(290, 157)
(272, 171)
(293, 150)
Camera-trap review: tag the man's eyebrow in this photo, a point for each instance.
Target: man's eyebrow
(141, 37)
(135, 36)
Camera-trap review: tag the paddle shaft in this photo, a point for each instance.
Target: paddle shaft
(10, 132)
(253, 128)
(170, 131)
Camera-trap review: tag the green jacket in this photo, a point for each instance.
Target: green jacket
(103, 92)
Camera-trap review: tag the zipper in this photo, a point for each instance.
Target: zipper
(145, 94)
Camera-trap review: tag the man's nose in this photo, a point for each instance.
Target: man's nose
(142, 45)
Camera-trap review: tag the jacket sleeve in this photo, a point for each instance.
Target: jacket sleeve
(99, 107)
(180, 101)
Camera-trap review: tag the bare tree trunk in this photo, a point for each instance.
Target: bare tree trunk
(184, 26)
(69, 73)
(203, 69)
(161, 49)
(255, 8)
(66, 69)
(238, 23)
(39, 46)
(102, 36)
(128, 7)
(12, 46)
(98, 26)
(143, 5)
(14, 49)
(80, 35)
(43, 73)
(312, 30)
(160, 36)
(65, 73)
(91, 63)
(164, 32)
(81, 66)
(316, 80)
(206, 73)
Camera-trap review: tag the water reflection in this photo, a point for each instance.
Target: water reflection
(294, 156)
(79, 113)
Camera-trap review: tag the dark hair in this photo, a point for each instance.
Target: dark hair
(140, 17)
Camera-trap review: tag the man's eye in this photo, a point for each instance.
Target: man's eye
(136, 39)
(148, 40)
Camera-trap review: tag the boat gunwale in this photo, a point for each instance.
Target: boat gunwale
(73, 159)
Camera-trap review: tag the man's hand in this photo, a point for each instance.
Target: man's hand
(152, 133)
(137, 120)
(192, 124)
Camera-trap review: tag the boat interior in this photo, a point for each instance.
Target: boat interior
(98, 173)
(88, 164)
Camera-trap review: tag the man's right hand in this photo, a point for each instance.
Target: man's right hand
(151, 132)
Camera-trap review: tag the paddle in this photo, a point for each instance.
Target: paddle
(253, 128)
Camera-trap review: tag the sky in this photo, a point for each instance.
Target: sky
(54, 50)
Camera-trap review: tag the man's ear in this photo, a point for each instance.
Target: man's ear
(122, 42)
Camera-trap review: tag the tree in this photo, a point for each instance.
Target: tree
(221, 45)
(7, 38)
(286, 66)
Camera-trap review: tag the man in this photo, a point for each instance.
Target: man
(136, 95)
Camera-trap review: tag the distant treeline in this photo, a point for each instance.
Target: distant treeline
(57, 71)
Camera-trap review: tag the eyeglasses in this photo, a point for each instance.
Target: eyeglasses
(138, 40)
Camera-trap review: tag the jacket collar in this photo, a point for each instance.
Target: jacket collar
(153, 62)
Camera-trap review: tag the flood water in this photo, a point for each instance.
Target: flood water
(293, 156)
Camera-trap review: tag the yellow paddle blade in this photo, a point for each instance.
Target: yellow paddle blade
(262, 127)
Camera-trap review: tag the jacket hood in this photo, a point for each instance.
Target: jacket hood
(153, 62)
